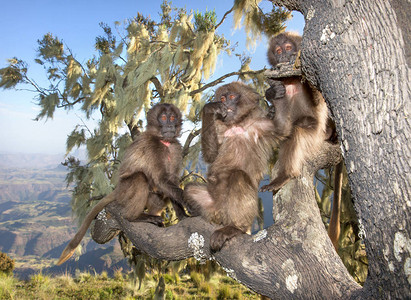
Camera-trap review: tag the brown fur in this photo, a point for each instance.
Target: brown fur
(301, 121)
(148, 176)
(237, 147)
(279, 41)
(334, 226)
(300, 114)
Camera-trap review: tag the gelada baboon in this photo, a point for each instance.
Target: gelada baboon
(283, 48)
(148, 175)
(300, 120)
(237, 141)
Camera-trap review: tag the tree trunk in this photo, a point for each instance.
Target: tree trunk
(353, 51)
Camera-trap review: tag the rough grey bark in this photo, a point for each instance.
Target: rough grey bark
(402, 9)
(354, 52)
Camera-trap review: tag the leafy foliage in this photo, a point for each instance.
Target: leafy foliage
(6, 263)
(249, 14)
(51, 49)
(13, 74)
(206, 22)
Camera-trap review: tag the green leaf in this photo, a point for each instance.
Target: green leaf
(39, 61)
(10, 77)
(50, 48)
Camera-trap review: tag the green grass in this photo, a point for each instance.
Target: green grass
(100, 286)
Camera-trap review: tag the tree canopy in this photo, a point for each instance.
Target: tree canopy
(143, 62)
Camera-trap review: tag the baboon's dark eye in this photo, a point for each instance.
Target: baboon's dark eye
(278, 50)
(288, 47)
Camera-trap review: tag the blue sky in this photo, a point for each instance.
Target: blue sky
(76, 22)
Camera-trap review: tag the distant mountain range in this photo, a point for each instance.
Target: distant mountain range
(30, 161)
(36, 221)
(35, 160)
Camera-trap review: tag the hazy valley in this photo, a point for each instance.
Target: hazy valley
(36, 220)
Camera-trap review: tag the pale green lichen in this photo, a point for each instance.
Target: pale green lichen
(291, 283)
(291, 279)
(305, 181)
(260, 235)
(401, 244)
(230, 273)
(386, 252)
(102, 216)
(352, 166)
(327, 34)
(196, 243)
(361, 234)
(310, 13)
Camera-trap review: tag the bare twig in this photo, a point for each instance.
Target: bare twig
(94, 198)
(189, 139)
(71, 103)
(219, 80)
(225, 15)
(193, 174)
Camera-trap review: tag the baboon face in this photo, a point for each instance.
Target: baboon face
(164, 120)
(283, 48)
(237, 100)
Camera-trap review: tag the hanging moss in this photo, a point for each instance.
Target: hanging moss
(75, 139)
(48, 105)
(73, 72)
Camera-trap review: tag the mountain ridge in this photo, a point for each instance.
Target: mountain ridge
(17, 160)
(36, 219)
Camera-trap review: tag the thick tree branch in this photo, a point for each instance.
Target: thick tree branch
(134, 129)
(284, 71)
(258, 261)
(290, 4)
(158, 86)
(285, 261)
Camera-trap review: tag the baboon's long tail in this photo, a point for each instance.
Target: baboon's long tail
(334, 227)
(72, 245)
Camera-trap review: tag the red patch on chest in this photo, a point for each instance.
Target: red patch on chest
(235, 130)
(291, 90)
(167, 144)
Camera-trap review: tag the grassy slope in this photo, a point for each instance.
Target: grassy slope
(87, 286)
